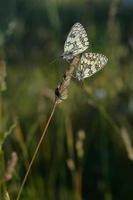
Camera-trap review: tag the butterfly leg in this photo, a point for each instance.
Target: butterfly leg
(81, 83)
(73, 76)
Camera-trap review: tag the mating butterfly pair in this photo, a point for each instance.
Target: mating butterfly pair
(76, 43)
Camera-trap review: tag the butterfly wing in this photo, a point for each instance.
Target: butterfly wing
(76, 42)
(90, 63)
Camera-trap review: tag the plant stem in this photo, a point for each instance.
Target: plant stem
(61, 94)
(1, 124)
(36, 151)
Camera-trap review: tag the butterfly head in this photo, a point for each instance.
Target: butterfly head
(67, 55)
(80, 75)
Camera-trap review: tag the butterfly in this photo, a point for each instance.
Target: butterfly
(76, 42)
(89, 64)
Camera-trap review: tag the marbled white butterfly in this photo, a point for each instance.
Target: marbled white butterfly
(76, 42)
(90, 63)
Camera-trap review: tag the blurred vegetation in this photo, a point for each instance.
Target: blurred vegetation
(88, 152)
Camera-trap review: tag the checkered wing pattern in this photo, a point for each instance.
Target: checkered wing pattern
(90, 63)
(76, 42)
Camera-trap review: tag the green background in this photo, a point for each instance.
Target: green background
(87, 152)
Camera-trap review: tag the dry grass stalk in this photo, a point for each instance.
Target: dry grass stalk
(11, 166)
(61, 91)
(60, 95)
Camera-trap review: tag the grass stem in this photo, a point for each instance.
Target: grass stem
(36, 151)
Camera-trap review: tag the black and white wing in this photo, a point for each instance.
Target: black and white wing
(90, 63)
(76, 42)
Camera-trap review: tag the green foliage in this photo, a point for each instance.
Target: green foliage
(98, 167)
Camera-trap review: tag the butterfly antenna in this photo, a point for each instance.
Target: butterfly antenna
(54, 60)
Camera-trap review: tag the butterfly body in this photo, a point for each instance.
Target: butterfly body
(90, 63)
(76, 42)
